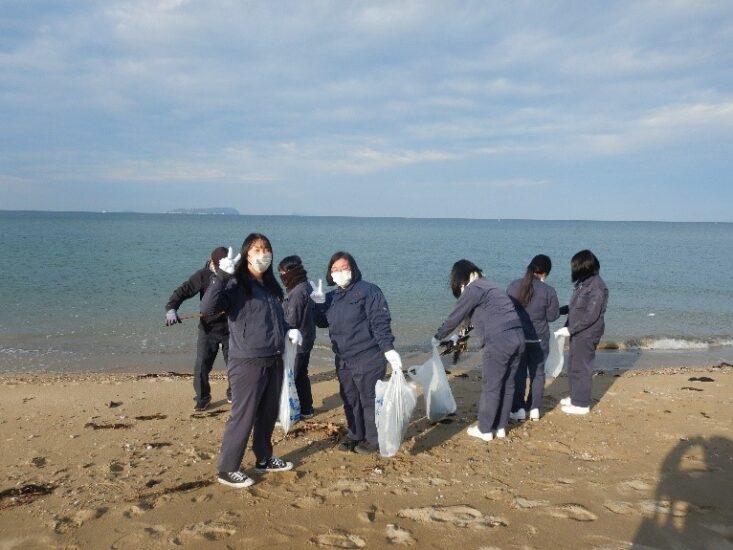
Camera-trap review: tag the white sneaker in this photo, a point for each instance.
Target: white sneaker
(518, 416)
(475, 432)
(235, 479)
(501, 433)
(534, 414)
(573, 409)
(565, 401)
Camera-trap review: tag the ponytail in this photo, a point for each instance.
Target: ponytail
(539, 264)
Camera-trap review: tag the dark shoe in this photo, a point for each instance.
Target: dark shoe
(347, 445)
(229, 395)
(366, 448)
(273, 464)
(307, 415)
(202, 406)
(234, 479)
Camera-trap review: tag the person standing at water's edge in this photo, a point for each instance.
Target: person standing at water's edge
(213, 329)
(495, 320)
(359, 324)
(537, 305)
(585, 327)
(299, 314)
(247, 291)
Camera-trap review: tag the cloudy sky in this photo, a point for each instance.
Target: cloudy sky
(481, 109)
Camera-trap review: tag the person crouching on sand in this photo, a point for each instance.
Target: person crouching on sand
(496, 322)
(252, 299)
(585, 326)
(359, 323)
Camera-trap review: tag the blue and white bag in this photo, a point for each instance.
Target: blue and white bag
(394, 403)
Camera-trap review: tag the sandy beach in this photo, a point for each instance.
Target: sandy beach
(122, 461)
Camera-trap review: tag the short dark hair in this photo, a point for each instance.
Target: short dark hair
(355, 273)
(288, 263)
(583, 265)
(241, 272)
(461, 274)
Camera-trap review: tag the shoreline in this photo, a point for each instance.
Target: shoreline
(121, 461)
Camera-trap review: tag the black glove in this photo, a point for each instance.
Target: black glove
(564, 310)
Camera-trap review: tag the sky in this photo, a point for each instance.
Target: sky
(473, 109)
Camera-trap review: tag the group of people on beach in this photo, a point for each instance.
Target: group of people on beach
(246, 312)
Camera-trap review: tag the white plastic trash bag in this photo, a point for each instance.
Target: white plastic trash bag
(394, 403)
(289, 403)
(556, 357)
(439, 400)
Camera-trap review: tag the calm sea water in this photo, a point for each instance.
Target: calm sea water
(95, 285)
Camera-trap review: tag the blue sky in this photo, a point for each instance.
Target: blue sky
(481, 109)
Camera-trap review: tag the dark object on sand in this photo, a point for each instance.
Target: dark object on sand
(25, 494)
(700, 379)
(113, 404)
(691, 388)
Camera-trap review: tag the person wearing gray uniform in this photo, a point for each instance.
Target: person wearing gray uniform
(495, 321)
(585, 326)
(359, 325)
(213, 329)
(252, 300)
(537, 305)
(299, 314)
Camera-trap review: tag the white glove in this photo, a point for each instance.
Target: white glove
(562, 332)
(317, 295)
(434, 342)
(394, 359)
(295, 336)
(455, 339)
(228, 264)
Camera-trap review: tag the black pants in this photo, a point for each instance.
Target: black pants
(207, 346)
(256, 385)
(303, 383)
(532, 365)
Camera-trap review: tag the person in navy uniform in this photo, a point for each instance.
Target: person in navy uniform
(495, 321)
(359, 325)
(213, 329)
(585, 326)
(537, 306)
(299, 314)
(246, 290)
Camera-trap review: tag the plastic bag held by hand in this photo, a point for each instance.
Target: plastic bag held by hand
(317, 295)
(394, 359)
(439, 400)
(289, 412)
(171, 317)
(556, 358)
(393, 406)
(228, 264)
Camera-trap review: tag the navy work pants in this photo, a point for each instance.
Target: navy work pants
(207, 346)
(357, 379)
(303, 383)
(256, 385)
(502, 353)
(580, 368)
(532, 364)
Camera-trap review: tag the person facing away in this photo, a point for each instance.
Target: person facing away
(585, 326)
(213, 329)
(359, 325)
(246, 290)
(298, 308)
(537, 306)
(495, 321)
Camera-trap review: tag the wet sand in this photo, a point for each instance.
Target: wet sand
(122, 461)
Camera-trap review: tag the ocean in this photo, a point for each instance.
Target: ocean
(87, 291)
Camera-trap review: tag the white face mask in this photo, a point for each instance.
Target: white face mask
(260, 262)
(341, 278)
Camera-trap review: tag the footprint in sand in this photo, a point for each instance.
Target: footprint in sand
(620, 507)
(638, 485)
(577, 512)
(209, 530)
(396, 535)
(339, 540)
(308, 502)
(66, 524)
(370, 516)
(526, 504)
(458, 515)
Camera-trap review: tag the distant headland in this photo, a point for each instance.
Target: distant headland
(219, 211)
